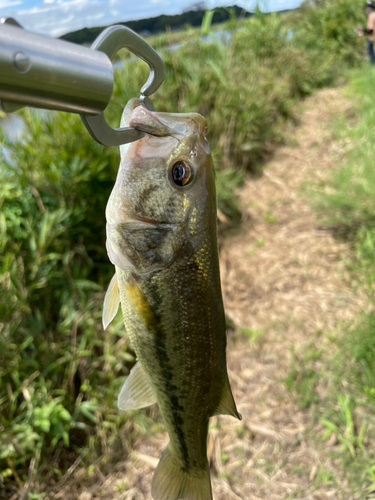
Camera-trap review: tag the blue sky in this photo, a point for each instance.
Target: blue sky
(56, 17)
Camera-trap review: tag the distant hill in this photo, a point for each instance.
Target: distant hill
(154, 25)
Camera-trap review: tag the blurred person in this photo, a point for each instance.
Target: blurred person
(370, 30)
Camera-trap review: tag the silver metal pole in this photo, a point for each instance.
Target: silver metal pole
(49, 73)
(52, 74)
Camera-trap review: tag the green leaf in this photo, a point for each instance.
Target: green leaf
(43, 425)
(206, 22)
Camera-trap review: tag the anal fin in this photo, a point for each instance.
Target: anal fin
(227, 406)
(111, 302)
(137, 391)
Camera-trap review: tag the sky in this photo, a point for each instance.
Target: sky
(56, 17)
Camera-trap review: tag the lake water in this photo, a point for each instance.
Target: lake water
(12, 124)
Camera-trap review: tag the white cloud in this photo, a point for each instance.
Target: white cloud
(4, 4)
(56, 17)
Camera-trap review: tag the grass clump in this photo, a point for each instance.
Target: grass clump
(361, 350)
(351, 198)
(327, 27)
(303, 382)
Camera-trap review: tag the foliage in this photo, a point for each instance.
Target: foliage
(361, 348)
(345, 428)
(161, 23)
(328, 26)
(56, 362)
(351, 198)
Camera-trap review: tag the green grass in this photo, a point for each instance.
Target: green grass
(351, 200)
(328, 382)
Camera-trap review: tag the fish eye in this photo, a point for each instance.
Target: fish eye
(182, 173)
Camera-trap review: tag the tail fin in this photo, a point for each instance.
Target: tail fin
(170, 482)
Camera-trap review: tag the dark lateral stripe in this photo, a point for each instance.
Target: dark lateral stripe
(171, 390)
(153, 324)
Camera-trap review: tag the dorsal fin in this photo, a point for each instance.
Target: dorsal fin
(111, 302)
(137, 391)
(227, 406)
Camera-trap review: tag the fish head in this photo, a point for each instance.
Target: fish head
(164, 193)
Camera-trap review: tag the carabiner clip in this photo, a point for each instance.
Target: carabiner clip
(110, 41)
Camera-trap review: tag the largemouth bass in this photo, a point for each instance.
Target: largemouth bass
(161, 237)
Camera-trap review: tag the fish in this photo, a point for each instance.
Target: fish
(162, 239)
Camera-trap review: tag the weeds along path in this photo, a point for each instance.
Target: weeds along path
(284, 283)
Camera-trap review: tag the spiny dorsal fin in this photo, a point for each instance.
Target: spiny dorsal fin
(111, 302)
(137, 391)
(172, 482)
(227, 406)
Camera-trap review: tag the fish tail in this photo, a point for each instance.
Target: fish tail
(171, 482)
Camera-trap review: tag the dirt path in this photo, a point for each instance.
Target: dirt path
(283, 283)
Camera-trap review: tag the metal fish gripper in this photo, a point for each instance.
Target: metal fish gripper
(54, 74)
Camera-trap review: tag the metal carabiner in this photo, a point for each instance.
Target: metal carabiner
(110, 41)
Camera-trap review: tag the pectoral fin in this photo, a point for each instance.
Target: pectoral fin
(227, 406)
(137, 391)
(111, 302)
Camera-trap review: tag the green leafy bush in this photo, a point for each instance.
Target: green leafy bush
(55, 359)
(328, 26)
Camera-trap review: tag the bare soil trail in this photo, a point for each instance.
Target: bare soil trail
(284, 281)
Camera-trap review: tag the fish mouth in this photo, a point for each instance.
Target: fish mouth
(159, 124)
(143, 221)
